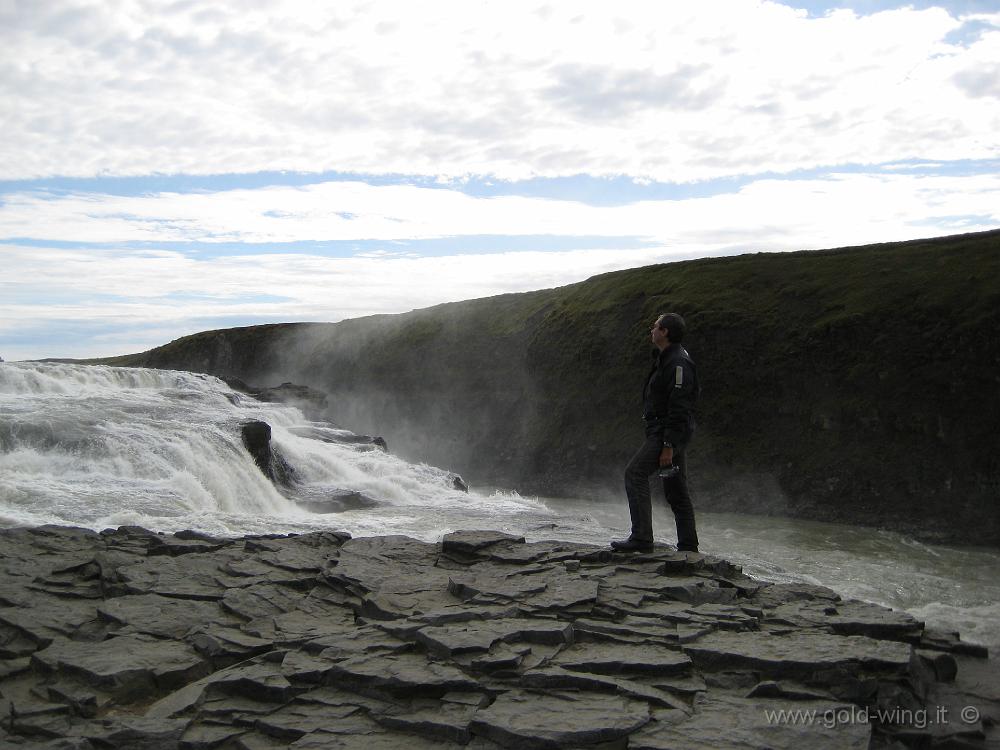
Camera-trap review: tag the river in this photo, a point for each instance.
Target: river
(101, 447)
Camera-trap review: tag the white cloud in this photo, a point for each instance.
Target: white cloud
(167, 290)
(672, 91)
(812, 212)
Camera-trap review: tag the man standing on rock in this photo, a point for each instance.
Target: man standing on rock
(669, 399)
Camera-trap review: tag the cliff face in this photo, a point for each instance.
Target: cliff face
(856, 385)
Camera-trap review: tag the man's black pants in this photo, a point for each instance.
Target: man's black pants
(645, 462)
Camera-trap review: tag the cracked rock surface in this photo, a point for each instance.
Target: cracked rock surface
(131, 639)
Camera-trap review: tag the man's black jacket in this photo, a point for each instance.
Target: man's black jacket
(671, 395)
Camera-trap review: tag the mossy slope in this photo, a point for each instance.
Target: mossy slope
(857, 384)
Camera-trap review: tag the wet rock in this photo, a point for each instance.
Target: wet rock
(329, 434)
(337, 501)
(952, 642)
(942, 666)
(310, 401)
(257, 440)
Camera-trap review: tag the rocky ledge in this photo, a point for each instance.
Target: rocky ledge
(131, 639)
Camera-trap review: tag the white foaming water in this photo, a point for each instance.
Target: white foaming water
(102, 446)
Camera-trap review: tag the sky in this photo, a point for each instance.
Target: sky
(173, 166)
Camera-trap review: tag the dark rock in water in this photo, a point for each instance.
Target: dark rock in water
(458, 483)
(337, 502)
(311, 402)
(257, 439)
(479, 641)
(330, 434)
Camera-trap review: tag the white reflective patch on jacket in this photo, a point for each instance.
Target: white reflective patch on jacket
(678, 376)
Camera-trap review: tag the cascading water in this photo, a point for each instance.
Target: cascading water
(102, 446)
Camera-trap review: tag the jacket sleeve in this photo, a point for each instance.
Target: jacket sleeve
(683, 400)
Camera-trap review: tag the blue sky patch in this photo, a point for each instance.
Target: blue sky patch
(587, 189)
(439, 246)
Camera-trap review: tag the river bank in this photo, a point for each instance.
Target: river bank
(130, 638)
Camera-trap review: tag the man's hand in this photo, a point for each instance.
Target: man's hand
(666, 456)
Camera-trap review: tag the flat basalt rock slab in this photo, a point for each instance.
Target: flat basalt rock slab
(445, 721)
(373, 741)
(47, 617)
(728, 723)
(298, 719)
(564, 591)
(460, 638)
(629, 630)
(472, 542)
(780, 593)
(162, 616)
(369, 562)
(559, 678)
(861, 618)
(126, 665)
(624, 659)
(490, 586)
(137, 732)
(796, 654)
(691, 589)
(184, 577)
(401, 674)
(520, 719)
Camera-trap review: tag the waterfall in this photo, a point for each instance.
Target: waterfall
(100, 446)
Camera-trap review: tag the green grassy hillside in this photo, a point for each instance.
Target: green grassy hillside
(857, 384)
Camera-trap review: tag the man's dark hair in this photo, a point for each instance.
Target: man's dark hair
(674, 325)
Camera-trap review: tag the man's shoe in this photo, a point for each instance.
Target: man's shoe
(631, 545)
